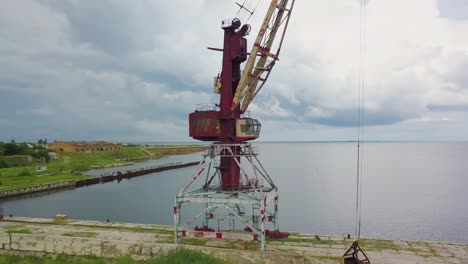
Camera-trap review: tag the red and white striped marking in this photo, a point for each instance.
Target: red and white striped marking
(219, 235)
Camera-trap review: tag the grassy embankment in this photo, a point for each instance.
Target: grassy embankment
(179, 256)
(70, 165)
(174, 150)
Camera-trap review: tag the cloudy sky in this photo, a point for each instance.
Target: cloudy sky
(133, 70)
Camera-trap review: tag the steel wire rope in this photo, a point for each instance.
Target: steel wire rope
(252, 18)
(254, 14)
(360, 136)
(246, 11)
(240, 8)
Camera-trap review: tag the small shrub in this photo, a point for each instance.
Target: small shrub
(24, 172)
(79, 167)
(182, 255)
(4, 163)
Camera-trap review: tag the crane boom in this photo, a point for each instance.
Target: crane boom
(261, 60)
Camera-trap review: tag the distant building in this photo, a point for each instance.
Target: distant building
(41, 168)
(53, 156)
(83, 146)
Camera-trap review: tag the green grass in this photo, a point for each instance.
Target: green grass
(175, 150)
(69, 166)
(179, 256)
(316, 240)
(11, 180)
(376, 244)
(182, 256)
(84, 161)
(81, 234)
(20, 231)
(19, 160)
(194, 241)
(160, 231)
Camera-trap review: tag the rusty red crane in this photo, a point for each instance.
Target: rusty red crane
(228, 183)
(237, 89)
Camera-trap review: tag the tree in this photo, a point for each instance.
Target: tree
(2, 147)
(11, 149)
(41, 153)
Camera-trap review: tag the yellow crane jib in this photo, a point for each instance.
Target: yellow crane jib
(261, 60)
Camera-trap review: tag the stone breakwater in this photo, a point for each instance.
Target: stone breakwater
(73, 237)
(119, 175)
(37, 188)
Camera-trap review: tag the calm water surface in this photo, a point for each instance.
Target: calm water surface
(410, 191)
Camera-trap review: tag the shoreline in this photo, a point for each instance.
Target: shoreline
(141, 241)
(72, 165)
(91, 180)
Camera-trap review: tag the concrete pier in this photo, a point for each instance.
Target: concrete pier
(74, 237)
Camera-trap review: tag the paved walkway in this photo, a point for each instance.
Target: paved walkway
(299, 248)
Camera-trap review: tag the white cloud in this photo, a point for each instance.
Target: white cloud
(128, 69)
(411, 55)
(271, 108)
(153, 130)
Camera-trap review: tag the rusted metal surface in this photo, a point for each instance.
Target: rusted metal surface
(276, 234)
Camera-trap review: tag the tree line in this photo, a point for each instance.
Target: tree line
(12, 148)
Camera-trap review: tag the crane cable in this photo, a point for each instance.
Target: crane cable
(360, 140)
(254, 14)
(245, 7)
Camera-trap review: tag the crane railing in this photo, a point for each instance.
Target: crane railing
(206, 107)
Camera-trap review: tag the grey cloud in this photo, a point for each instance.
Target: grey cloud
(453, 9)
(457, 80)
(447, 107)
(107, 25)
(349, 118)
(124, 70)
(78, 79)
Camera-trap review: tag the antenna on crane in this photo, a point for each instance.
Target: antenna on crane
(245, 8)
